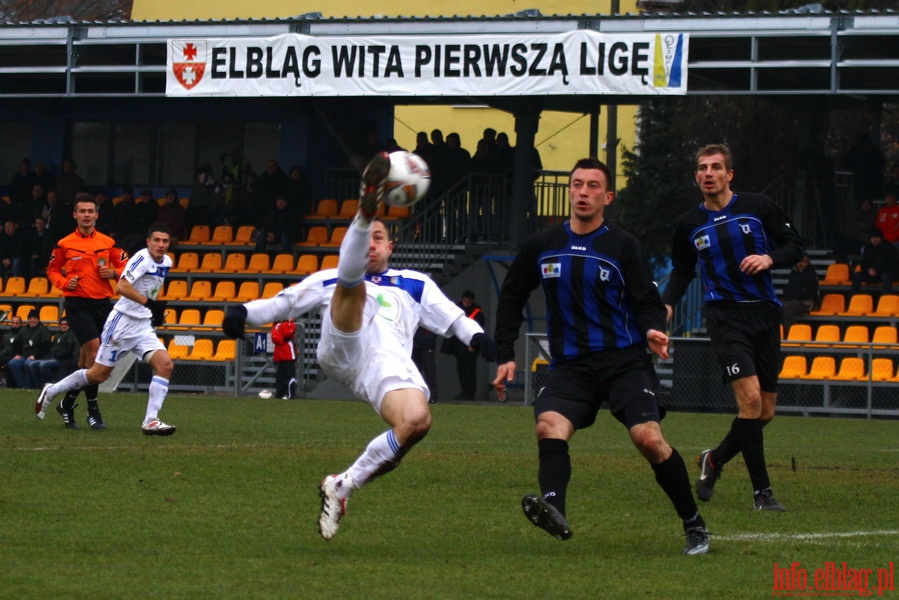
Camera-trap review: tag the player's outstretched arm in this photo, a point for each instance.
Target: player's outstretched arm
(657, 342)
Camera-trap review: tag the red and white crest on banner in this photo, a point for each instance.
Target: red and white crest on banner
(189, 62)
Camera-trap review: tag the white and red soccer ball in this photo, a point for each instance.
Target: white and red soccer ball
(408, 179)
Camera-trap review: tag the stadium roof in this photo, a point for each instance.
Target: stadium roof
(793, 54)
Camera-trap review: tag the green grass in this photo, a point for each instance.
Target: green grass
(227, 507)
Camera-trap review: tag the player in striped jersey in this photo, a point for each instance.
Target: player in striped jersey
(736, 239)
(369, 316)
(603, 310)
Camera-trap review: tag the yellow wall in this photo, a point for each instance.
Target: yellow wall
(561, 139)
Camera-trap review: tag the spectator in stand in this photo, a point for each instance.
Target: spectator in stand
(237, 166)
(271, 184)
(22, 181)
(202, 198)
(57, 216)
(285, 358)
(36, 342)
(466, 356)
(125, 218)
(60, 361)
(174, 215)
(879, 264)
(888, 219)
(227, 202)
(280, 227)
(143, 214)
(857, 224)
(391, 145)
(69, 183)
(439, 164)
(800, 295)
(505, 155)
(299, 192)
(25, 212)
(40, 244)
(13, 251)
(43, 177)
(423, 146)
(458, 159)
(105, 211)
(11, 346)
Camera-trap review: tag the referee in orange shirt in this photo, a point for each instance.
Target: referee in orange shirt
(85, 265)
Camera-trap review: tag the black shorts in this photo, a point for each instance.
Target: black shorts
(746, 340)
(625, 379)
(87, 316)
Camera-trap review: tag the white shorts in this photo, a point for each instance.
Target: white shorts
(369, 362)
(123, 334)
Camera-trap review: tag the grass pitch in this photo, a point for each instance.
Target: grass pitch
(227, 507)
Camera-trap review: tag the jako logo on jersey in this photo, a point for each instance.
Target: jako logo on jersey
(721, 218)
(579, 248)
(702, 242)
(552, 270)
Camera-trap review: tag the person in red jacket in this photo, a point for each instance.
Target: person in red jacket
(285, 358)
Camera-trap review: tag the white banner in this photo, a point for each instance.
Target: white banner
(579, 62)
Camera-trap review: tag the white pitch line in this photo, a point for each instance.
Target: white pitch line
(779, 537)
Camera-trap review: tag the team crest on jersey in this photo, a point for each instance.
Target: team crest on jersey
(702, 242)
(387, 310)
(747, 230)
(604, 274)
(551, 270)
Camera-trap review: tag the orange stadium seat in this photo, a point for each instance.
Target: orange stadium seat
(798, 334)
(200, 291)
(188, 261)
(337, 236)
(221, 235)
(188, 318)
(283, 263)
(243, 236)
(860, 305)
(225, 290)
(306, 264)
(852, 368)
(176, 289)
(23, 310)
(329, 261)
(248, 290)
(213, 317)
(856, 335)
(226, 350)
(202, 350)
(211, 263)
(826, 334)
(15, 287)
(831, 305)
(881, 369)
(325, 209)
(348, 209)
(884, 334)
(316, 236)
(887, 306)
(823, 367)
(49, 313)
(199, 234)
(259, 263)
(177, 351)
(235, 262)
(837, 274)
(398, 212)
(37, 288)
(794, 367)
(271, 289)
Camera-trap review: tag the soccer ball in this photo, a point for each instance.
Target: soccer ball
(408, 179)
(265, 394)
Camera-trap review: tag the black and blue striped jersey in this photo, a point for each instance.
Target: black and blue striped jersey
(719, 240)
(598, 288)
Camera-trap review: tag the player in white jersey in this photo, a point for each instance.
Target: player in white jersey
(369, 316)
(130, 328)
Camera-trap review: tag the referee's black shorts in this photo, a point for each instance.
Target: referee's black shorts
(746, 340)
(624, 378)
(87, 316)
